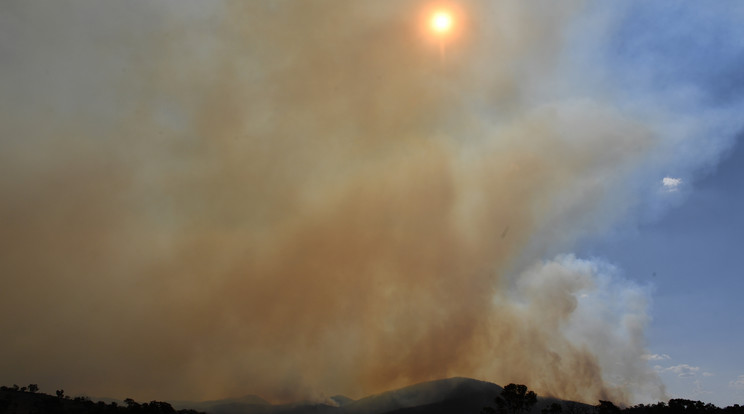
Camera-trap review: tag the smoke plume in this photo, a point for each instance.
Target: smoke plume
(293, 198)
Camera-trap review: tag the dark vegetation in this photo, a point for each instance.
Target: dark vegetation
(450, 396)
(516, 399)
(27, 400)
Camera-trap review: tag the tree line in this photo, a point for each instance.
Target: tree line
(28, 400)
(517, 399)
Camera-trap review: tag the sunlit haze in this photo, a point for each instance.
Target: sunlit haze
(441, 22)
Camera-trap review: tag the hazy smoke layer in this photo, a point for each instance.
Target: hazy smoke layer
(292, 198)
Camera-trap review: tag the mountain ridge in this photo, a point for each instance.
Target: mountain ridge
(442, 396)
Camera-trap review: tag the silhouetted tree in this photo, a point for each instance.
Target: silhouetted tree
(33, 388)
(679, 405)
(607, 407)
(60, 393)
(158, 407)
(131, 404)
(733, 409)
(514, 399)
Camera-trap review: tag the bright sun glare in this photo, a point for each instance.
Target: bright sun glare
(441, 22)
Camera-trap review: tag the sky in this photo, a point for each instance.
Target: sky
(694, 335)
(298, 199)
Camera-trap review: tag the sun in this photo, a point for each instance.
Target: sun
(441, 22)
(442, 25)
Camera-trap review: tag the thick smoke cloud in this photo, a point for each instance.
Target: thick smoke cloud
(293, 198)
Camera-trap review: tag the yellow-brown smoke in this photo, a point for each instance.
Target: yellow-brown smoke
(292, 198)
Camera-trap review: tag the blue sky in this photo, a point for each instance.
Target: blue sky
(691, 257)
(689, 58)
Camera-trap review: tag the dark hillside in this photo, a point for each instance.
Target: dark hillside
(448, 396)
(427, 396)
(15, 400)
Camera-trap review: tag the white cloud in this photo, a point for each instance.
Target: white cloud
(708, 374)
(738, 383)
(682, 370)
(656, 357)
(700, 389)
(671, 184)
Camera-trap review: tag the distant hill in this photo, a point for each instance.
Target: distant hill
(426, 394)
(452, 395)
(341, 400)
(245, 404)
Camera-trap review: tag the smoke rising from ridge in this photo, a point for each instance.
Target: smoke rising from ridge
(294, 198)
